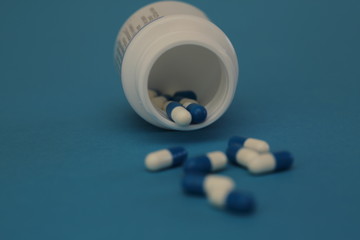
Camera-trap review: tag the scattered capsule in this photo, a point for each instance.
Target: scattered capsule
(240, 155)
(211, 162)
(197, 111)
(177, 113)
(203, 184)
(268, 162)
(252, 143)
(165, 158)
(185, 94)
(233, 200)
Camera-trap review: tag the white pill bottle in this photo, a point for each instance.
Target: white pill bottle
(172, 46)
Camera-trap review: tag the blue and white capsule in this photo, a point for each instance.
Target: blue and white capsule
(241, 156)
(197, 111)
(204, 184)
(185, 94)
(268, 162)
(252, 143)
(233, 200)
(177, 113)
(165, 158)
(210, 162)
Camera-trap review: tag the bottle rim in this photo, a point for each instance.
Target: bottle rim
(151, 56)
(163, 38)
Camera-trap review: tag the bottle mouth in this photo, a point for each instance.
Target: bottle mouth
(187, 67)
(193, 67)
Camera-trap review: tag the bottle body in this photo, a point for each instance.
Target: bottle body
(172, 46)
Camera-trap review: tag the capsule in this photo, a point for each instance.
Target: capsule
(252, 143)
(197, 111)
(183, 101)
(203, 184)
(165, 158)
(233, 200)
(177, 113)
(159, 101)
(153, 93)
(268, 162)
(211, 162)
(185, 94)
(240, 155)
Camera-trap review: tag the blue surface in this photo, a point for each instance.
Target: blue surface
(72, 150)
(237, 141)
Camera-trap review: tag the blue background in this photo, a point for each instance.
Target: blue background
(72, 149)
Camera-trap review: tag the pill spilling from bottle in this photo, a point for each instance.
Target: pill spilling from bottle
(182, 107)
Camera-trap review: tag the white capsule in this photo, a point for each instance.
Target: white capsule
(245, 155)
(177, 113)
(262, 164)
(159, 101)
(216, 189)
(181, 116)
(204, 184)
(271, 162)
(187, 101)
(165, 158)
(218, 182)
(218, 160)
(241, 155)
(252, 143)
(217, 197)
(258, 145)
(152, 93)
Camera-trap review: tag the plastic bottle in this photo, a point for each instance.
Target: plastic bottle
(172, 46)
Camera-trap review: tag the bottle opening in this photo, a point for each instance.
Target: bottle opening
(191, 67)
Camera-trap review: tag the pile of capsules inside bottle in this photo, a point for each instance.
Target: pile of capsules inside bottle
(182, 107)
(221, 192)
